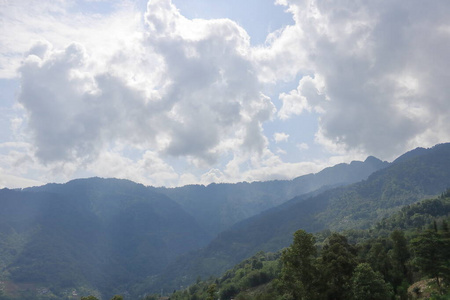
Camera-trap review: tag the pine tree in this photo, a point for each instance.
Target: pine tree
(338, 260)
(369, 285)
(299, 272)
(429, 249)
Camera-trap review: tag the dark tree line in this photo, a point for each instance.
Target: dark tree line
(375, 270)
(379, 268)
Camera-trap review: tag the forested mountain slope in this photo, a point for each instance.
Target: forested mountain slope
(100, 233)
(218, 206)
(409, 247)
(409, 179)
(106, 234)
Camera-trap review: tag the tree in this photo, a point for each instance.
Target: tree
(299, 272)
(369, 285)
(228, 291)
(445, 238)
(338, 260)
(378, 259)
(211, 291)
(400, 251)
(117, 297)
(400, 276)
(429, 250)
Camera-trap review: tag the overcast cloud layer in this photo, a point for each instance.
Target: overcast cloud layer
(166, 100)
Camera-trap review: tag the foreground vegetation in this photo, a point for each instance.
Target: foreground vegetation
(379, 263)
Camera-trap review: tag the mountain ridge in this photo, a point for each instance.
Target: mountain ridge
(410, 179)
(218, 206)
(108, 235)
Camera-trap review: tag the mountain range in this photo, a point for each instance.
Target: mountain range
(416, 175)
(216, 207)
(115, 236)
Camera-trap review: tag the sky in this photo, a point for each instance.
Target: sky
(169, 93)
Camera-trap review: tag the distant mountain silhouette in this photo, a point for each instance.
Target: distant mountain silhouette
(104, 233)
(216, 207)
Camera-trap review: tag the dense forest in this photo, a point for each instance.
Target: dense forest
(406, 256)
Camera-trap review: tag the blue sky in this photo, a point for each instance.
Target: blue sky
(189, 91)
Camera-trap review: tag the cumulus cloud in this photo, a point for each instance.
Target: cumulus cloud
(302, 146)
(150, 169)
(382, 66)
(118, 94)
(214, 91)
(272, 167)
(195, 88)
(267, 166)
(280, 137)
(72, 112)
(309, 95)
(61, 23)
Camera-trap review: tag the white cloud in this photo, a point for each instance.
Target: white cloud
(309, 94)
(187, 179)
(214, 91)
(181, 88)
(210, 92)
(267, 166)
(61, 23)
(281, 151)
(19, 168)
(382, 66)
(283, 57)
(302, 146)
(213, 175)
(149, 170)
(274, 168)
(13, 182)
(280, 137)
(97, 87)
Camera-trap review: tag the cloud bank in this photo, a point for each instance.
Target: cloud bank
(201, 93)
(167, 100)
(188, 89)
(378, 72)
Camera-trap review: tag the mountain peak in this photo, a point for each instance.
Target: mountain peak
(372, 159)
(410, 154)
(376, 162)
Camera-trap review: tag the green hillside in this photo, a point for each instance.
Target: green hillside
(102, 234)
(420, 174)
(379, 263)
